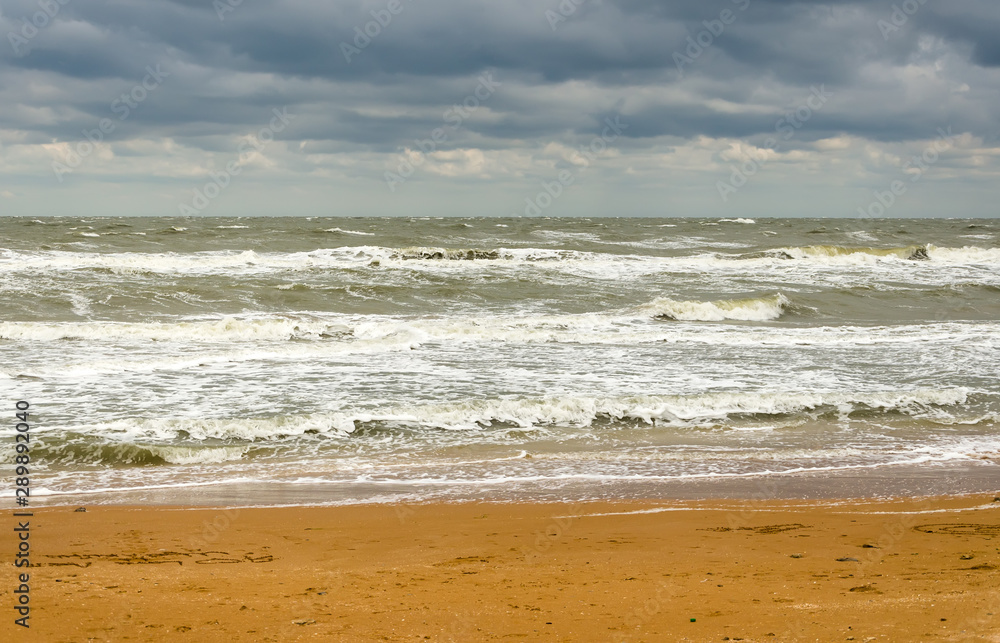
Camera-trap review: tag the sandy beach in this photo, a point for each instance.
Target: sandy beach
(320, 372)
(919, 569)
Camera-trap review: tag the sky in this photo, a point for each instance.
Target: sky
(725, 108)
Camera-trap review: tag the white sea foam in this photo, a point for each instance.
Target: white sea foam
(508, 328)
(131, 262)
(862, 235)
(346, 334)
(966, 255)
(80, 305)
(755, 309)
(561, 235)
(251, 262)
(711, 409)
(47, 491)
(508, 255)
(354, 232)
(843, 255)
(228, 329)
(606, 265)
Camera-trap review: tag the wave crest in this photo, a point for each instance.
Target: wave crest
(753, 309)
(865, 255)
(704, 410)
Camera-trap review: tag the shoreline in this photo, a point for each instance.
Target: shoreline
(902, 482)
(739, 503)
(753, 570)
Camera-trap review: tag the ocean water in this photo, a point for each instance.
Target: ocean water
(309, 360)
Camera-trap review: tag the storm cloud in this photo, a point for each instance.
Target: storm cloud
(447, 107)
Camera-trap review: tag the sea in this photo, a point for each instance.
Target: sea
(277, 361)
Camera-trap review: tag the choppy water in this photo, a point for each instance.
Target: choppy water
(341, 360)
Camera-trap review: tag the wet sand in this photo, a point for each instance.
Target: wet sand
(919, 569)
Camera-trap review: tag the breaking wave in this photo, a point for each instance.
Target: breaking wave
(90, 451)
(354, 232)
(710, 410)
(229, 329)
(276, 329)
(756, 309)
(860, 255)
(482, 254)
(353, 257)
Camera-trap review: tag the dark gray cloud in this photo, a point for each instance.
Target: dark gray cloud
(614, 45)
(895, 77)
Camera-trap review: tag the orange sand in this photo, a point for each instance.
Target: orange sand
(748, 571)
